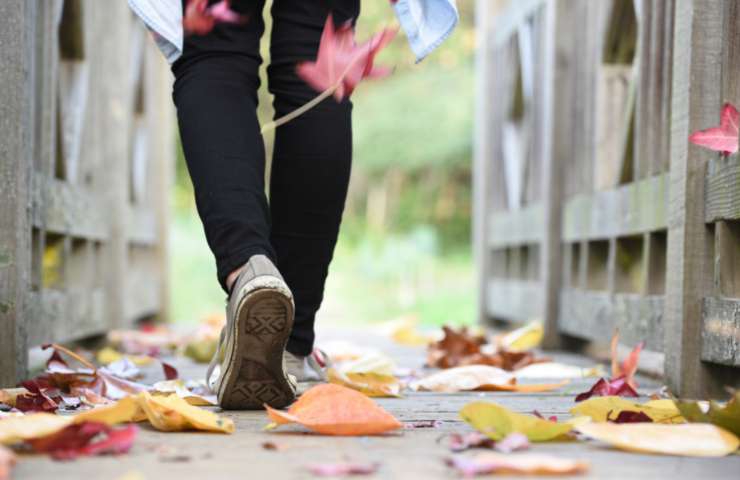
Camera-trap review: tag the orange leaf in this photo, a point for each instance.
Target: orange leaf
(628, 368)
(335, 410)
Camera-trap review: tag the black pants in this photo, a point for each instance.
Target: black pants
(216, 82)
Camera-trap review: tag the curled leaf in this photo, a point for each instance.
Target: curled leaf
(695, 440)
(603, 388)
(602, 409)
(726, 416)
(497, 422)
(371, 384)
(335, 410)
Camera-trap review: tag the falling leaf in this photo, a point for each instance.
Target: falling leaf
(87, 438)
(603, 388)
(341, 64)
(459, 348)
(497, 422)
(342, 469)
(477, 377)
(7, 462)
(724, 138)
(523, 464)
(727, 416)
(335, 410)
(199, 18)
(371, 384)
(547, 370)
(524, 338)
(600, 409)
(691, 439)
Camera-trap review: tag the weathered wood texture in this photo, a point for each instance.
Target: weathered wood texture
(632, 227)
(87, 147)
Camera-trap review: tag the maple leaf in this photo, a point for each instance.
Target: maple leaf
(199, 18)
(724, 138)
(605, 388)
(340, 63)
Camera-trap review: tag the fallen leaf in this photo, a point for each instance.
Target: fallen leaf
(727, 416)
(8, 396)
(405, 331)
(87, 438)
(458, 442)
(335, 410)
(35, 400)
(201, 350)
(524, 338)
(460, 348)
(600, 409)
(627, 416)
(603, 388)
(123, 411)
(371, 384)
(523, 464)
(341, 64)
(368, 362)
(342, 469)
(200, 18)
(172, 413)
(477, 377)
(7, 462)
(724, 138)
(179, 388)
(17, 429)
(691, 439)
(628, 368)
(547, 370)
(108, 355)
(497, 422)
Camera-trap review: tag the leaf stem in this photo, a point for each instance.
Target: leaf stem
(300, 110)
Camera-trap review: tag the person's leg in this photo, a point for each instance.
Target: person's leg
(311, 161)
(215, 92)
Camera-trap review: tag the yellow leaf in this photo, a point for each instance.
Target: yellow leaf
(178, 387)
(523, 339)
(109, 355)
(9, 395)
(16, 429)
(368, 362)
(201, 349)
(599, 408)
(690, 439)
(371, 384)
(123, 411)
(497, 422)
(172, 413)
(407, 333)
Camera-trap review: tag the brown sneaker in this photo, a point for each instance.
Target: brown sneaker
(248, 365)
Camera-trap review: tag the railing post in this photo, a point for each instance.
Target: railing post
(16, 146)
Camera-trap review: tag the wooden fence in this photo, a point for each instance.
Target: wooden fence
(592, 210)
(86, 148)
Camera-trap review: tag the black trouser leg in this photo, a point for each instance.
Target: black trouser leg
(215, 93)
(311, 161)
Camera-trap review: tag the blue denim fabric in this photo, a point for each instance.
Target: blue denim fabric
(426, 23)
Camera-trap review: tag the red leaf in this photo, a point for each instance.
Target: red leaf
(36, 400)
(722, 138)
(200, 19)
(628, 368)
(86, 438)
(602, 388)
(170, 372)
(627, 416)
(341, 64)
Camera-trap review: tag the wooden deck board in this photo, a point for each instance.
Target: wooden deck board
(412, 453)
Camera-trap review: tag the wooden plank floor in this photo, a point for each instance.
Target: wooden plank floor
(405, 455)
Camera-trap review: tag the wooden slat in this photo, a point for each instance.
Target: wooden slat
(720, 337)
(16, 145)
(722, 189)
(595, 315)
(516, 227)
(507, 23)
(143, 292)
(514, 300)
(141, 227)
(63, 315)
(60, 207)
(636, 208)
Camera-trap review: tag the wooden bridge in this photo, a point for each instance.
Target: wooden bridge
(592, 209)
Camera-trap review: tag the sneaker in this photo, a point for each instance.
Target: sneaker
(247, 370)
(311, 368)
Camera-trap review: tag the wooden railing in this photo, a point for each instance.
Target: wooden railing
(87, 144)
(611, 219)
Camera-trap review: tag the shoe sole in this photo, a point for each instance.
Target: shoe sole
(253, 374)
